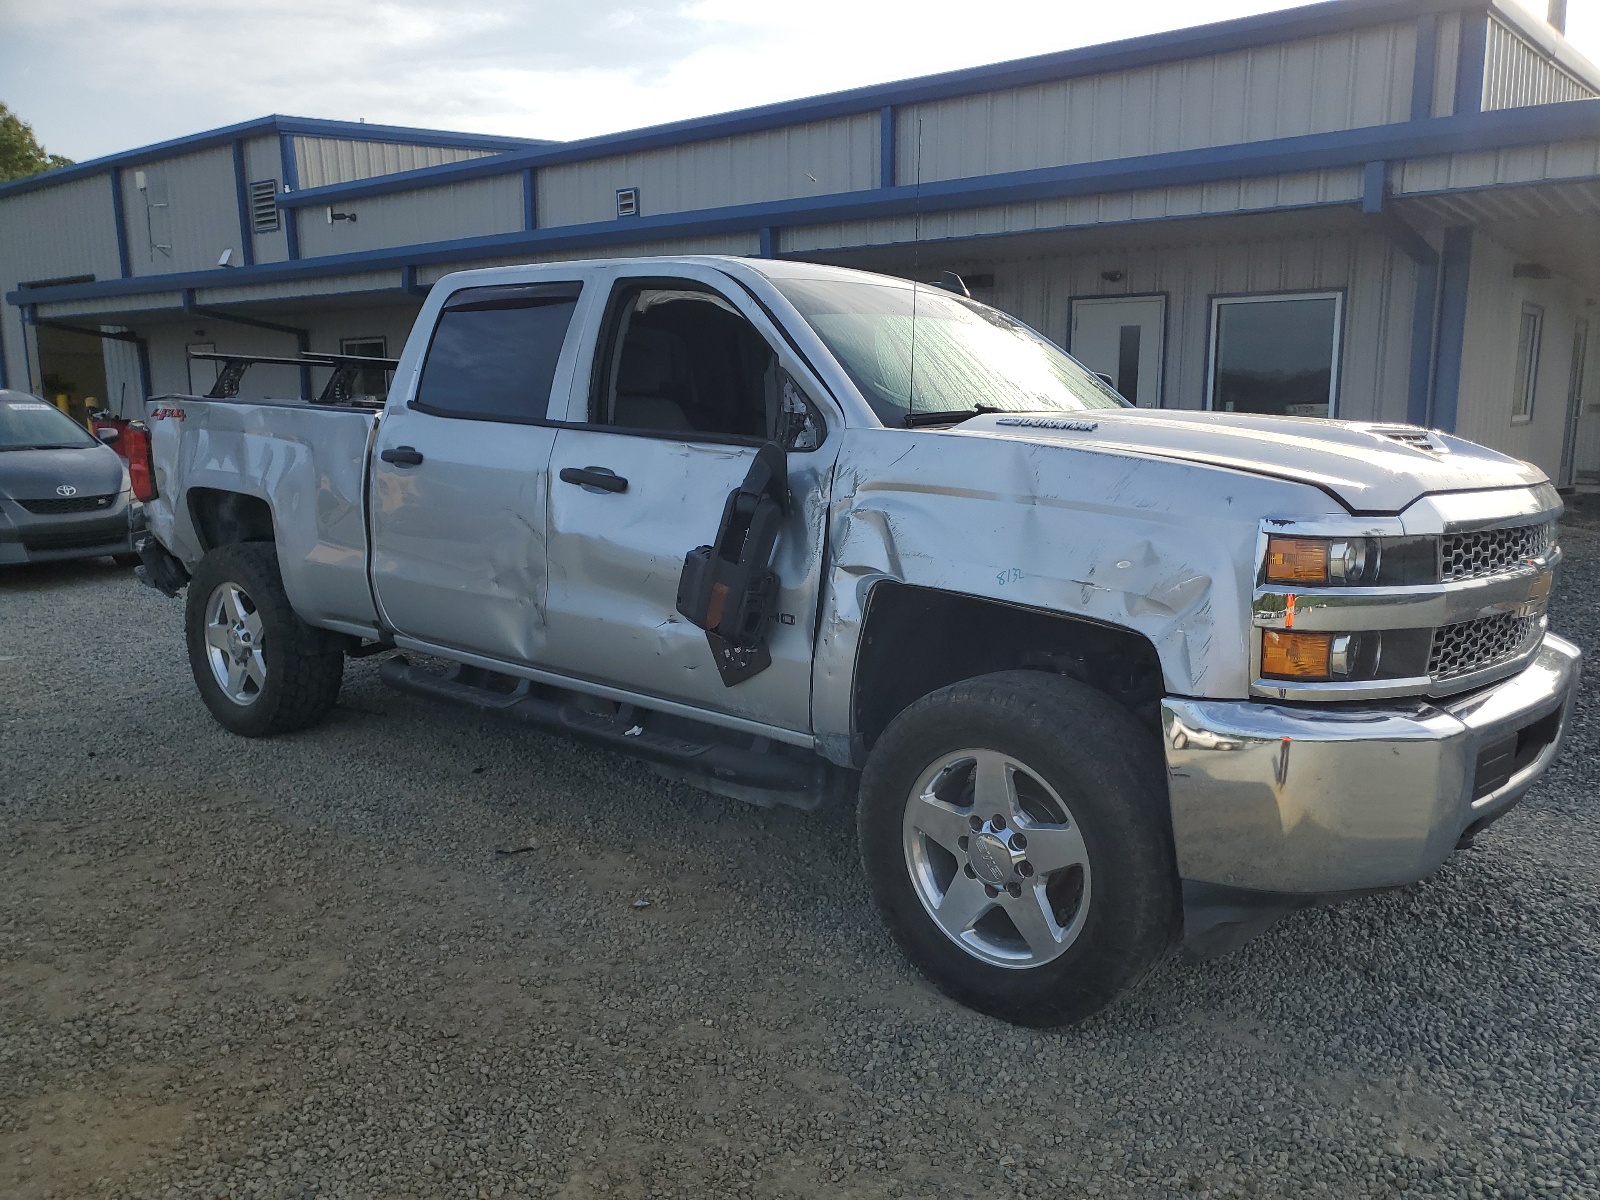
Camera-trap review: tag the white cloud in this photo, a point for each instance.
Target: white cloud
(553, 68)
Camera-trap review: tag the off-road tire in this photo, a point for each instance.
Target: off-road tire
(1107, 767)
(304, 664)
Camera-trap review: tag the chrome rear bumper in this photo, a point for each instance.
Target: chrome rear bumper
(1318, 800)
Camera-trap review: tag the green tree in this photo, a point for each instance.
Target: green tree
(20, 152)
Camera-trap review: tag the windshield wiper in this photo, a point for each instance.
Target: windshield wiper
(949, 416)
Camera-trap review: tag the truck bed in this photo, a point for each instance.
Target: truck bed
(306, 462)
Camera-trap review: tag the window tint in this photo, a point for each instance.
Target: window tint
(494, 351)
(1275, 355)
(684, 360)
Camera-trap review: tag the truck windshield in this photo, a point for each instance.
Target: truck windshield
(27, 423)
(960, 359)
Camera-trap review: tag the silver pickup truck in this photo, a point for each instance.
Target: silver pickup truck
(1103, 680)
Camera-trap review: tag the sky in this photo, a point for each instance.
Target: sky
(96, 76)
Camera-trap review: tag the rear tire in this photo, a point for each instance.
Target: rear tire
(260, 669)
(1015, 833)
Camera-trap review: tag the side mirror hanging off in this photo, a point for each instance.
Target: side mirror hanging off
(729, 589)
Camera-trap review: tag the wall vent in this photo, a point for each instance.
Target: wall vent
(264, 206)
(628, 202)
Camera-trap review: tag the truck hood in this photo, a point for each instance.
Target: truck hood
(1369, 468)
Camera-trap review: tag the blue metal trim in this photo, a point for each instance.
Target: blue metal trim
(410, 283)
(1312, 20)
(530, 198)
(886, 146)
(768, 242)
(263, 127)
(1470, 63)
(1444, 135)
(1424, 320)
(241, 190)
(142, 348)
(30, 314)
(290, 165)
(1422, 73)
(4, 373)
(1374, 182)
(1455, 271)
(120, 216)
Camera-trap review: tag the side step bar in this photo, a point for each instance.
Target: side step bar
(746, 767)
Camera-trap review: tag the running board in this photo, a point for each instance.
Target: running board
(747, 767)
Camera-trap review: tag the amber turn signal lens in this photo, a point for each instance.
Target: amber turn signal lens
(1296, 655)
(1297, 560)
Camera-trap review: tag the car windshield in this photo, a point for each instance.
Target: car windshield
(28, 423)
(958, 358)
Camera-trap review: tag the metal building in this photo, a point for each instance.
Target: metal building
(1372, 209)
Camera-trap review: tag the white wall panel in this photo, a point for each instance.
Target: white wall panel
(1516, 74)
(1492, 168)
(263, 159)
(322, 161)
(1446, 59)
(186, 215)
(474, 208)
(1154, 204)
(1316, 85)
(52, 233)
(814, 159)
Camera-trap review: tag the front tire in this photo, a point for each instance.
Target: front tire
(1014, 831)
(260, 669)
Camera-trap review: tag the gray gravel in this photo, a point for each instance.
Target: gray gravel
(300, 968)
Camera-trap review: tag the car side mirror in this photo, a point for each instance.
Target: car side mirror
(108, 434)
(1106, 379)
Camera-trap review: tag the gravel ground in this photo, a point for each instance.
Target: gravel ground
(405, 954)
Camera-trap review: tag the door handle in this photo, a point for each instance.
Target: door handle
(402, 456)
(594, 479)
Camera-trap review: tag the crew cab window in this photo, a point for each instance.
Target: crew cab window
(494, 352)
(682, 359)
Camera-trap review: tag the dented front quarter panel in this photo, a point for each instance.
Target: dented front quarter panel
(1163, 548)
(307, 463)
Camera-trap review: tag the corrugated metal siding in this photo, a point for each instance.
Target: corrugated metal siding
(743, 244)
(264, 160)
(149, 302)
(1446, 59)
(1155, 204)
(471, 209)
(1378, 285)
(124, 388)
(369, 281)
(1516, 74)
(814, 159)
(338, 160)
(1340, 81)
(1498, 168)
(52, 233)
(187, 215)
(1489, 356)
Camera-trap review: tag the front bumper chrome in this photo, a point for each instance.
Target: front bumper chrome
(1303, 800)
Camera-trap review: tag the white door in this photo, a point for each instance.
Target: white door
(1121, 337)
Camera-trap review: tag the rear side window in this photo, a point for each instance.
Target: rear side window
(494, 352)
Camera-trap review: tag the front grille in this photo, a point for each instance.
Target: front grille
(70, 504)
(1477, 645)
(1491, 551)
(73, 541)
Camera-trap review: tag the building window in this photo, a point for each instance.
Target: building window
(1275, 354)
(1526, 381)
(369, 381)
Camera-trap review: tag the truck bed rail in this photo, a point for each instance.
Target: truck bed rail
(339, 389)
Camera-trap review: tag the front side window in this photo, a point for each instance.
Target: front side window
(1529, 337)
(494, 352)
(680, 359)
(922, 355)
(1275, 354)
(28, 423)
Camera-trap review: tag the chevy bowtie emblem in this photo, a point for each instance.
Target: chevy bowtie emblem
(66, 489)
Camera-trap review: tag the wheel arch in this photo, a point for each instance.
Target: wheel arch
(915, 640)
(220, 517)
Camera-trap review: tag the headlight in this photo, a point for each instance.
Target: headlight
(1321, 561)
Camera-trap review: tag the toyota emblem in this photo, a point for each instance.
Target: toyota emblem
(66, 489)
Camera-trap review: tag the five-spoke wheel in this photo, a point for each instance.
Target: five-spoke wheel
(235, 643)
